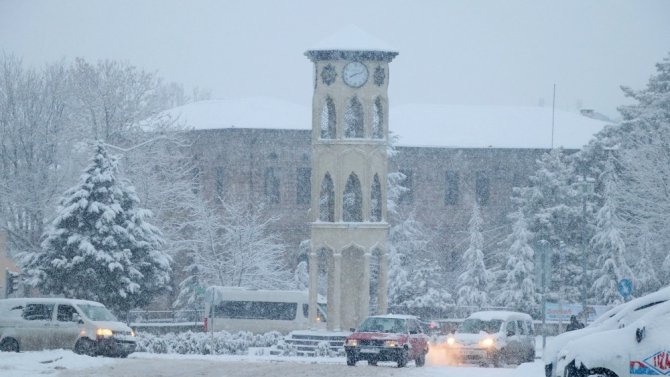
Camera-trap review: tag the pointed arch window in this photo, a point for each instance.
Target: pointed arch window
(328, 120)
(353, 119)
(352, 200)
(376, 200)
(378, 119)
(327, 200)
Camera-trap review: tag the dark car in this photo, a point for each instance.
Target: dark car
(397, 338)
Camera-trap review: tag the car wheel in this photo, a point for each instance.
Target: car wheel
(420, 360)
(531, 356)
(9, 345)
(372, 362)
(402, 358)
(85, 347)
(351, 360)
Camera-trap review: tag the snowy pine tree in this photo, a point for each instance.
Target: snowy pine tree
(301, 276)
(100, 246)
(473, 282)
(608, 243)
(518, 290)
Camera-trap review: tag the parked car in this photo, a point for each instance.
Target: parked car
(86, 327)
(397, 338)
(640, 348)
(618, 317)
(493, 338)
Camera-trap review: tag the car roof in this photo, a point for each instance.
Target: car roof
(396, 316)
(48, 300)
(488, 315)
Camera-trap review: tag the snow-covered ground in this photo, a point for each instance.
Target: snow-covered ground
(66, 363)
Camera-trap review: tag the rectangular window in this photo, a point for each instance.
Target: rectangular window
(482, 189)
(452, 193)
(303, 186)
(272, 185)
(219, 181)
(285, 311)
(38, 312)
(407, 196)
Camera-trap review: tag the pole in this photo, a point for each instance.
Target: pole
(553, 108)
(544, 294)
(584, 259)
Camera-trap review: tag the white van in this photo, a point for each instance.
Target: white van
(87, 327)
(259, 311)
(493, 337)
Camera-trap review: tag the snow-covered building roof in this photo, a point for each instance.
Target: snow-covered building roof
(415, 124)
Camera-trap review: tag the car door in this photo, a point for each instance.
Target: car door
(650, 350)
(36, 326)
(417, 338)
(66, 327)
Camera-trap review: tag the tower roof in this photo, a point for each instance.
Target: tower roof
(351, 43)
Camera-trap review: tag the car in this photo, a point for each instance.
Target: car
(618, 317)
(493, 338)
(396, 338)
(86, 327)
(640, 348)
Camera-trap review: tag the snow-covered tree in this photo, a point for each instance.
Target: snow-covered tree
(301, 276)
(235, 248)
(518, 290)
(473, 282)
(608, 243)
(101, 246)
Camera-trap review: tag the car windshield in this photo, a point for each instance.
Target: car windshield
(389, 325)
(97, 313)
(475, 326)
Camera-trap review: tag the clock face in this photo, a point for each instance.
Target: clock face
(355, 74)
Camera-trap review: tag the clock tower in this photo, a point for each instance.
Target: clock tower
(349, 229)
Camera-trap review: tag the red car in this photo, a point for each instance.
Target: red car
(387, 338)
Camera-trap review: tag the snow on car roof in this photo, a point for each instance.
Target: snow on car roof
(398, 316)
(50, 300)
(499, 314)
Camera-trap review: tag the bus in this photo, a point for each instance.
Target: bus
(259, 311)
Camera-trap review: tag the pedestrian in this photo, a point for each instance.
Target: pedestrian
(574, 324)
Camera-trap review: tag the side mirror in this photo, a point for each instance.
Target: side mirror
(511, 333)
(640, 334)
(352, 329)
(77, 318)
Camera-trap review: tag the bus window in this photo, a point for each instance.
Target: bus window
(256, 310)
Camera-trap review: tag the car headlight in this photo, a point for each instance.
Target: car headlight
(487, 343)
(451, 341)
(351, 342)
(104, 332)
(391, 343)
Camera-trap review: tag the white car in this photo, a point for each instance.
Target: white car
(641, 348)
(493, 337)
(618, 317)
(86, 327)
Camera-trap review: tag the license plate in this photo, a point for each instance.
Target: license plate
(369, 350)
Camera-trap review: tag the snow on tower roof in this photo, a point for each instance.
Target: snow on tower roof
(417, 125)
(352, 38)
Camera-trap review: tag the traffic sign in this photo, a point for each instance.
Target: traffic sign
(625, 288)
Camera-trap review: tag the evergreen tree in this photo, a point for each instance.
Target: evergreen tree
(608, 243)
(301, 276)
(518, 290)
(473, 282)
(100, 246)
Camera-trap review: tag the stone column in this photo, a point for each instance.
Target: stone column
(337, 291)
(364, 307)
(382, 289)
(313, 284)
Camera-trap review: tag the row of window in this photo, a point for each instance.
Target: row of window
(452, 193)
(354, 117)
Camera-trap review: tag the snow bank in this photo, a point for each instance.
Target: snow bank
(199, 343)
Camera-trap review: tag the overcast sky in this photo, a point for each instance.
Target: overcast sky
(451, 52)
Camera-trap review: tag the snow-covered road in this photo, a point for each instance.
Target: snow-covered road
(65, 363)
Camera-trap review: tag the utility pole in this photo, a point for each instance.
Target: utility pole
(543, 256)
(586, 189)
